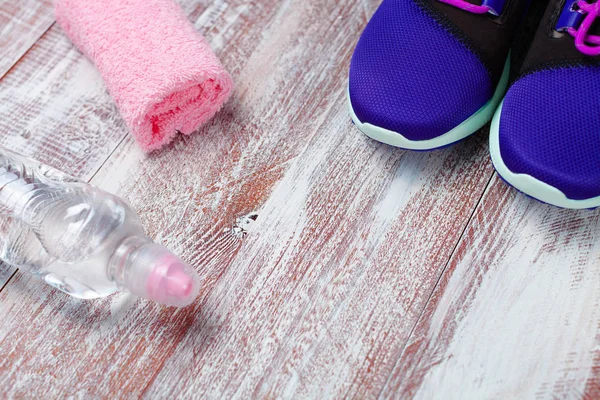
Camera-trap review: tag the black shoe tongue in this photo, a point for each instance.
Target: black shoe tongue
(551, 48)
(489, 37)
(595, 29)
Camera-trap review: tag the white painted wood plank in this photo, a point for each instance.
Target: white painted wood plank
(54, 107)
(22, 23)
(516, 315)
(323, 294)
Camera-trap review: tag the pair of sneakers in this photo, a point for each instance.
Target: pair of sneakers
(428, 73)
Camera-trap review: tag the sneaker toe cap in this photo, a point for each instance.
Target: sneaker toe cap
(550, 129)
(410, 75)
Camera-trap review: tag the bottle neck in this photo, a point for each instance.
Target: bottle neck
(121, 259)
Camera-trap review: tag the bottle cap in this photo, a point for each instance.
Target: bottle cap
(157, 274)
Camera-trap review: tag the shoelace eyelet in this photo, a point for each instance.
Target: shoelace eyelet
(493, 7)
(577, 18)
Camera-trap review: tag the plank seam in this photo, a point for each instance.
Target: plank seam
(450, 257)
(9, 279)
(108, 156)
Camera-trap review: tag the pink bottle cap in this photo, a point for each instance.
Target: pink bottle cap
(157, 274)
(171, 282)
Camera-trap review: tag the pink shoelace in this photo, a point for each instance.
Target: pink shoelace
(463, 5)
(582, 38)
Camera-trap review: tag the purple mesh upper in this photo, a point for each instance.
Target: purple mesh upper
(550, 129)
(410, 75)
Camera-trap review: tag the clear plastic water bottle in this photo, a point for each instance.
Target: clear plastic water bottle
(82, 240)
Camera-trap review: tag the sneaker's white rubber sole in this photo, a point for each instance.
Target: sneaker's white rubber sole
(466, 128)
(528, 184)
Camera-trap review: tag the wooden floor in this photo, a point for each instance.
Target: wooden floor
(368, 272)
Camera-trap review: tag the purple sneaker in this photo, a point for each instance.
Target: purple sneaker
(545, 136)
(428, 73)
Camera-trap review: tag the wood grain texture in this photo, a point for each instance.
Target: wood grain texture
(54, 107)
(321, 296)
(22, 23)
(324, 292)
(328, 293)
(516, 313)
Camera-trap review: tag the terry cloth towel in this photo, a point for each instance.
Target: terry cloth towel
(161, 72)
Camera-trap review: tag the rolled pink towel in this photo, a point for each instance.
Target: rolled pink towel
(160, 71)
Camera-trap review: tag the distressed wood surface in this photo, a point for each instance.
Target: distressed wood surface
(332, 207)
(319, 249)
(516, 313)
(22, 23)
(295, 312)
